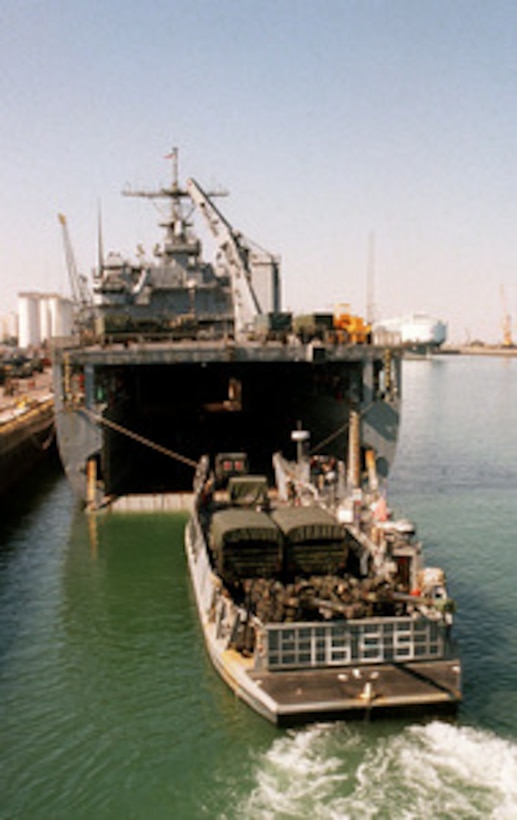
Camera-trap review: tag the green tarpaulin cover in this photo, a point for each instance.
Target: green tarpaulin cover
(248, 490)
(301, 524)
(238, 525)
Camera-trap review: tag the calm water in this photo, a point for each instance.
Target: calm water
(110, 709)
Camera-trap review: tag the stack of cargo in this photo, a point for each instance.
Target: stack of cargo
(245, 543)
(314, 542)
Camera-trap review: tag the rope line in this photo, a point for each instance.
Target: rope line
(338, 431)
(140, 439)
(184, 459)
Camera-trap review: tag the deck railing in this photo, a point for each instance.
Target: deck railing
(343, 643)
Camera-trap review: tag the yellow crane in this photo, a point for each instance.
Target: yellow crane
(507, 321)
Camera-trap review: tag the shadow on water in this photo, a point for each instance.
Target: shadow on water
(28, 496)
(34, 520)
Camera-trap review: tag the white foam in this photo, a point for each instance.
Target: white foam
(425, 771)
(295, 776)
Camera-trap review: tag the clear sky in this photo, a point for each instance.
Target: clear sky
(329, 122)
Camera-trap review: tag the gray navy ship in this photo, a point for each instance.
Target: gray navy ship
(175, 357)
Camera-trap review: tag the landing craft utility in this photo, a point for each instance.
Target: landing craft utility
(314, 604)
(193, 357)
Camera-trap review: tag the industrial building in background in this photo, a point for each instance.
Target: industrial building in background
(9, 328)
(42, 317)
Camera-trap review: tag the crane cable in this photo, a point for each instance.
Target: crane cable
(140, 439)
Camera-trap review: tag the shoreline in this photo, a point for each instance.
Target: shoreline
(476, 350)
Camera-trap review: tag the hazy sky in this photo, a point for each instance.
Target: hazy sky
(328, 122)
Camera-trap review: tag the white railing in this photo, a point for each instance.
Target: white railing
(201, 565)
(343, 643)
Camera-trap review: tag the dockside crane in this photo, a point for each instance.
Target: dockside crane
(506, 321)
(229, 242)
(81, 295)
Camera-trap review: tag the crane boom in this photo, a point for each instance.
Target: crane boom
(80, 292)
(246, 304)
(506, 321)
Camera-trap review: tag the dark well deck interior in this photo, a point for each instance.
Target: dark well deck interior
(196, 397)
(404, 689)
(190, 408)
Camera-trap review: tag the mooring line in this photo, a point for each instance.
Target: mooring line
(341, 429)
(140, 439)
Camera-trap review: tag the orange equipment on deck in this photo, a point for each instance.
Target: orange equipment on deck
(353, 328)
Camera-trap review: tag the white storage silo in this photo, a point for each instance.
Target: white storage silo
(29, 320)
(61, 316)
(44, 318)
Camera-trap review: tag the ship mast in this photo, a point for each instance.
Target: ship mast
(175, 192)
(176, 223)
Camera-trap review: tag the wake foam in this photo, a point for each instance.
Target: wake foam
(337, 771)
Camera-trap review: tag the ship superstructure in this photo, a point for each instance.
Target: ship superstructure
(178, 291)
(179, 356)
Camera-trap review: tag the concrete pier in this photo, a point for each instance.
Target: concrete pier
(152, 502)
(26, 427)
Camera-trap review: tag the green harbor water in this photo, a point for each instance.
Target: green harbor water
(109, 707)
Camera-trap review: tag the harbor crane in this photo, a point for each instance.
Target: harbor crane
(507, 321)
(229, 242)
(81, 295)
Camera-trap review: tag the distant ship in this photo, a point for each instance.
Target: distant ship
(176, 357)
(417, 333)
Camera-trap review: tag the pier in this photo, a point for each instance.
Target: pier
(26, 426)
